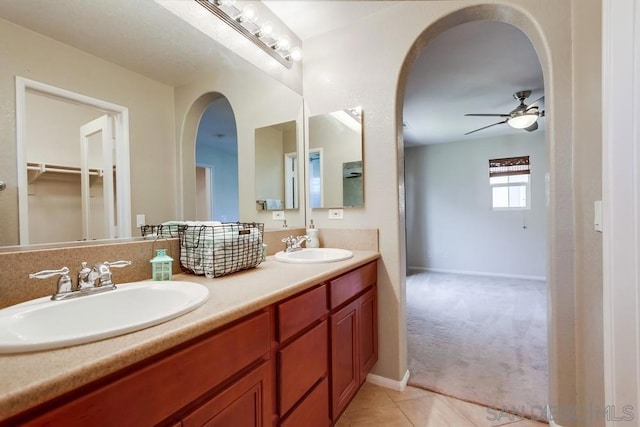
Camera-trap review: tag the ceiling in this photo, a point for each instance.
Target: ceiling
(472, 68)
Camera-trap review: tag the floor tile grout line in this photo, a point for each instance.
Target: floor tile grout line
(444, 398)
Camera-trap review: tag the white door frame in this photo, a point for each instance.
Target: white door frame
(208, 183)
(120, 115)
(103, 126)
(621, 209)
(319, 151)
(291, 180)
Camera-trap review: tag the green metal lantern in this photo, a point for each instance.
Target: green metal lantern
(161, 266)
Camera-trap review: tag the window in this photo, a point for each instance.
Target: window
(509, 181)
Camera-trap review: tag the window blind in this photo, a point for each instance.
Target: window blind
(509, 166)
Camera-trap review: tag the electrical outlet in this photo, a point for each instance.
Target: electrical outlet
(279, 215)
(336, 213)
(140, 220)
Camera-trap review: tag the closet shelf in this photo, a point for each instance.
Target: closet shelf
(37, 170)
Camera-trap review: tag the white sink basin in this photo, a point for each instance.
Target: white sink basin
(314, 255)
(42, 324)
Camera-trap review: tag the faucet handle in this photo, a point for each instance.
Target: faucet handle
(64, 282)
(118, 264)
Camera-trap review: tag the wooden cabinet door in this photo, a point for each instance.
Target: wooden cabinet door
(368, 319)
(345, 369)
(245, 403)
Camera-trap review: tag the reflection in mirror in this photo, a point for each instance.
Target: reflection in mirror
(335, 159)
(181, 67)
(70, 149)
(217, 164)
(276, 168)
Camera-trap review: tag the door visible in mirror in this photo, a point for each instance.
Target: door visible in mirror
(276, 163)
(336, 176)
(72, 148)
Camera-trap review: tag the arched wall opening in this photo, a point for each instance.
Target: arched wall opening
(187, 203)
(560, 227)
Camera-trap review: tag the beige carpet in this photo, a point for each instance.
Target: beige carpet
(480, 339)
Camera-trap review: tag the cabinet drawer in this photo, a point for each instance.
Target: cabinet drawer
(245, 403)
(301, 364)
(313, 411)
(351, 284)
(152, 393)
(299, 312)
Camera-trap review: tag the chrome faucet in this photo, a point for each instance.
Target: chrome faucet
(64, 282)
(292, 244)
(90, 280)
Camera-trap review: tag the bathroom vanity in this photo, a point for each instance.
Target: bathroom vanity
(258, 353)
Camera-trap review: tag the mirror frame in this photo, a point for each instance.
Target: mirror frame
(121, 119)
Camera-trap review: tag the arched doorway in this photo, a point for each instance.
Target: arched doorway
(217, 164)
(476, 289)
(560, 274)
(209, 122)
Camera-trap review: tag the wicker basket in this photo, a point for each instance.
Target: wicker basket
(217, 250)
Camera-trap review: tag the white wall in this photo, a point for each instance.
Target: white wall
(450, 223)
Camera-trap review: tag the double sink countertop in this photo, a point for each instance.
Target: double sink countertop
(29, 379)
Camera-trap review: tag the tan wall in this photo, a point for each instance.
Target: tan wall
(269, 164)
(150, 104)
(587, 120)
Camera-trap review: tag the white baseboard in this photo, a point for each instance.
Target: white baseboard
(479, 273)
(389, 383)
(550, 418)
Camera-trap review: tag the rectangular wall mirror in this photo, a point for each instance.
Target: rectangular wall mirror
(336, 177)
(276, 166)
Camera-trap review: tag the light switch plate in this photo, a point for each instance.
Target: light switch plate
(597, 215)
(279, 215)
(336, 213)
(140, 220)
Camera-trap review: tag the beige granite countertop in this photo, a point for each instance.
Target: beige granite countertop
(29, 379)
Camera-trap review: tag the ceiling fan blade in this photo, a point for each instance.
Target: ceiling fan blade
(533, 127)
(487, 115)
(482, 128)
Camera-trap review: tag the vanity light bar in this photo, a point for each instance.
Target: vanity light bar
(244, 22)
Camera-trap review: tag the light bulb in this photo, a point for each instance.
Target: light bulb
(248, 13)
(295, 53)
(283, 43)
(523, 121)
(266, 29)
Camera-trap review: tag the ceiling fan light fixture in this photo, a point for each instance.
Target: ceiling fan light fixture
(522, 121)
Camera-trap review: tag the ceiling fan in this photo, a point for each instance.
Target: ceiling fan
(522, 117)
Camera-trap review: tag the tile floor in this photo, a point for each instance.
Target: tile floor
(378, 406)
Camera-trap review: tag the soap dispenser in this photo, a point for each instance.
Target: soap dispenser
(312, 236)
